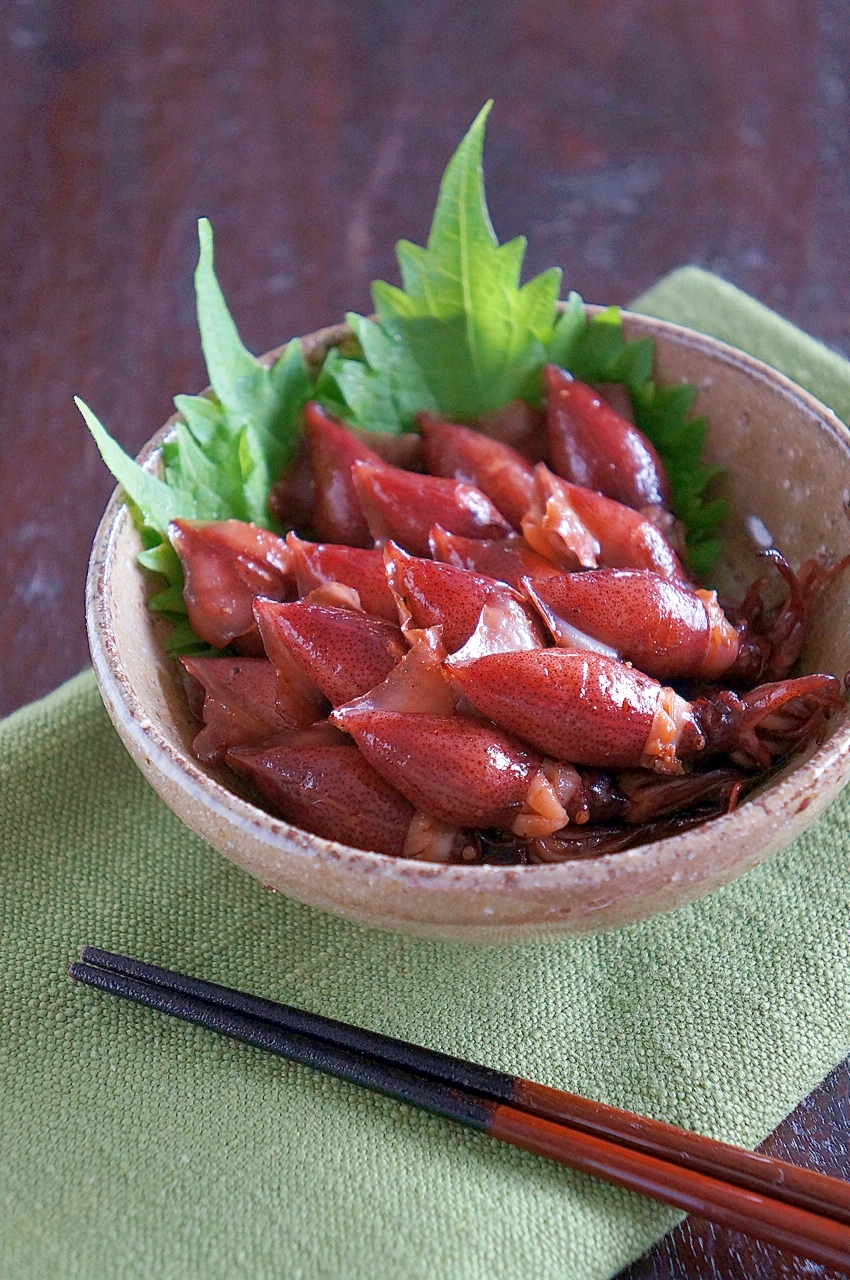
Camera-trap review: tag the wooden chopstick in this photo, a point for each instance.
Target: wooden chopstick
(763, 1174)
(511, 1109)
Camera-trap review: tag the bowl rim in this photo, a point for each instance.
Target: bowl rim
(588, 872)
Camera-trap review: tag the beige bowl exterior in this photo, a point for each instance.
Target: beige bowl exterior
(787, 459)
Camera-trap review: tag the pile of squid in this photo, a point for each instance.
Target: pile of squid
(491, 650)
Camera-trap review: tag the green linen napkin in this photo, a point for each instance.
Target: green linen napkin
(133, 1145)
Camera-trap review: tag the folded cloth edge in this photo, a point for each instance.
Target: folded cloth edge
(703, 301)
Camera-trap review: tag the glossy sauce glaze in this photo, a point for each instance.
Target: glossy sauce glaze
(468, 666)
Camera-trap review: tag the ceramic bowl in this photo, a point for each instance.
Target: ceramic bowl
(787, 461)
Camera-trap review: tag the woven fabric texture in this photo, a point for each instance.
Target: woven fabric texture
(133, 1145)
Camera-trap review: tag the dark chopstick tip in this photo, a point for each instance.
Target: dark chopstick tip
(705, 1177)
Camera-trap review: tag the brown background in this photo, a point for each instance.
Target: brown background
(628, 138)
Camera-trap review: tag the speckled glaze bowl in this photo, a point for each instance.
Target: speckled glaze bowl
(787, 461)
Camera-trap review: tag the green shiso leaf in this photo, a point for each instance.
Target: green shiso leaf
(225, 454)
(462, 336)
(566, 331)
(158, 503)
(260, 407)
(383, 391)
(662, 415)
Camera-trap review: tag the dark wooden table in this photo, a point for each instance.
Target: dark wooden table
(628, 138)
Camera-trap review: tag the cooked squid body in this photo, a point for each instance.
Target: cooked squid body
(337, 515)
(507, 559)
(670, 631)
(292, 499)
(456, 768)
(428, 594)
(664, 629)
(582, 707)
(240, 704)
(459, 453)
(317, 563)
(226, 564)
(319, 780)
(576, 528)
(594, 710)
(590, 444)
(341, 652)
(517, 425)
(401, 506)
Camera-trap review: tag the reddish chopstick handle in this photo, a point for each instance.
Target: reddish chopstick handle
(818, 1237)
(761, 1174)
(822, 1239)
(764, 1175)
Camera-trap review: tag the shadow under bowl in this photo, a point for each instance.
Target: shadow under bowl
(787, 463)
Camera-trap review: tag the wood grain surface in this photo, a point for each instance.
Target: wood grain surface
(628, 138)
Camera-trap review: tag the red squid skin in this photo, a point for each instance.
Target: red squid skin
(592, 710)
(319, 780)
(590, 444)
(402, 506)
(317, 563)
(461, 771)
(343, 652)
(666, 630)
(670, 632)
(405, 450)
(337, 515)
(576, 528)
(517, 425)
(457, 769)
(239, 704)
(293, 492)
(507, 560)
(570, 705)
(226, 564)
(292, 495)
(430, 594)
(458, 453)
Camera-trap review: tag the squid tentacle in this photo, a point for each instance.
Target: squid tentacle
(770, 646)
(593, 710)
(770, 721)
